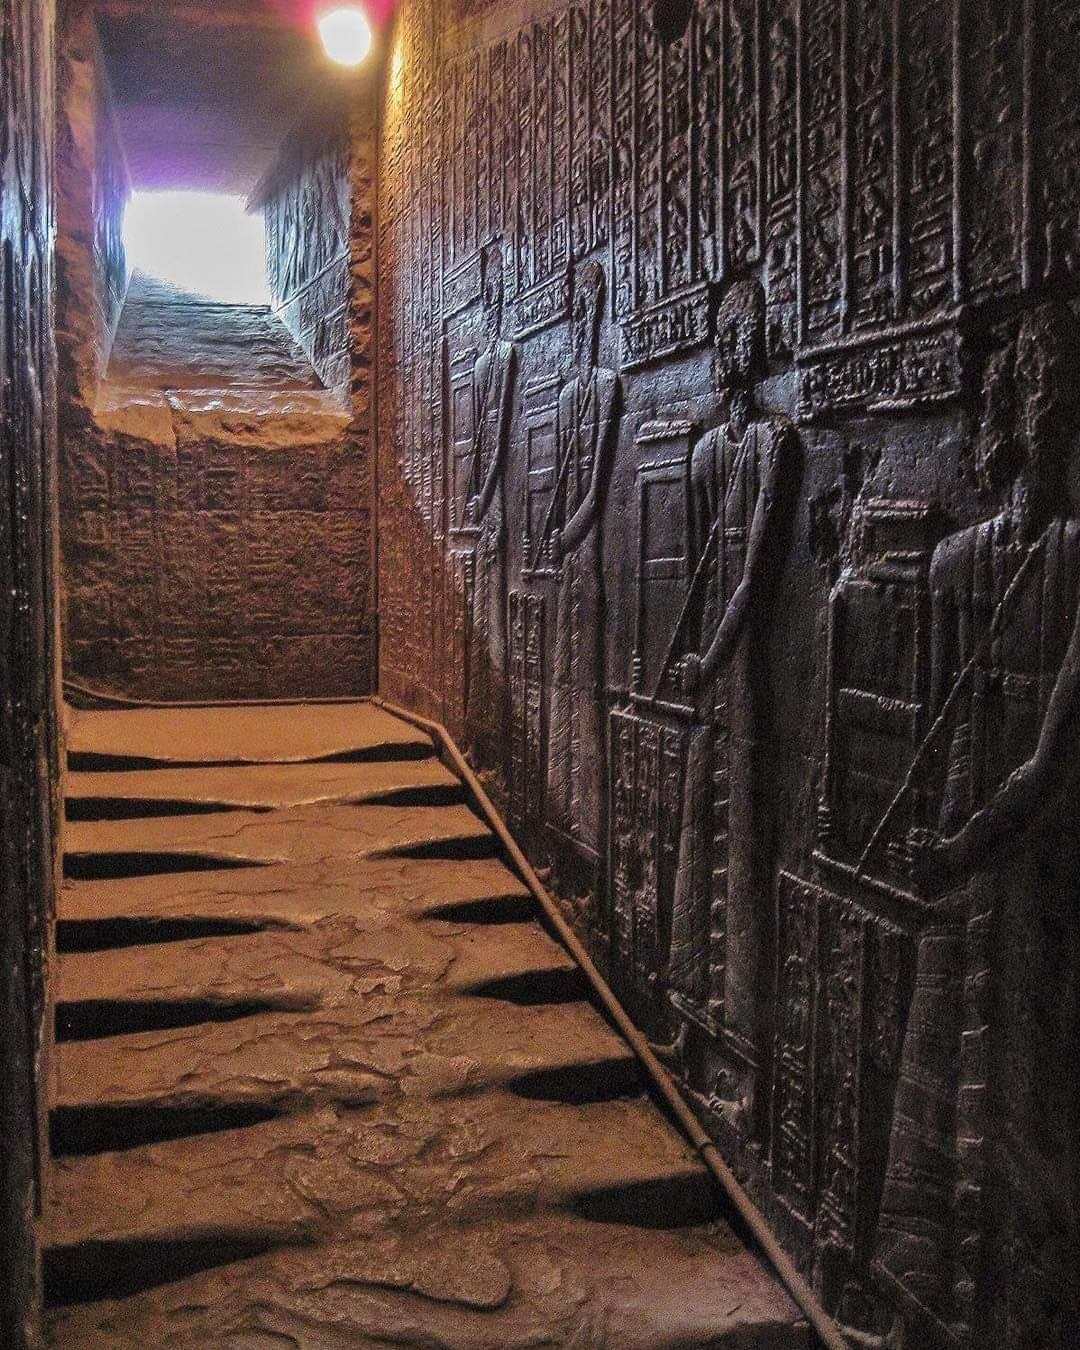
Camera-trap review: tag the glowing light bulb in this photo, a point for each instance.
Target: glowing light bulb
(346, 35)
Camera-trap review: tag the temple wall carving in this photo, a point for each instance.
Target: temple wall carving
(27, 654)
(728, 456)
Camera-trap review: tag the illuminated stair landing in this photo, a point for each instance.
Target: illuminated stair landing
(325, 1081)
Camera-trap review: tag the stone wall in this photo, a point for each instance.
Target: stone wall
(27, 730)
(728, 513)
(92, 272)
(307, 203)
(215, 499)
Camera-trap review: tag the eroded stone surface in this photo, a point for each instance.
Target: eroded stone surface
(266, 786)
(298, 834)
(413, 1126)
(201, 736)
(298, 895)
(506, 1284)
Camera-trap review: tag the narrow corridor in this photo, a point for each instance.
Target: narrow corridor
(325, 1081)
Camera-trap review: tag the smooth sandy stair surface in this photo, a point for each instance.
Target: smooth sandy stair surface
(291, 733)
(323, 1079)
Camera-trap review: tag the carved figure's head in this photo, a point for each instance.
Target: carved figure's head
(585, 319)
(670, 18)
(740, 337)
(492, 273)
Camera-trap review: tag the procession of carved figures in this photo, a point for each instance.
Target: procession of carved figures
(730, 423)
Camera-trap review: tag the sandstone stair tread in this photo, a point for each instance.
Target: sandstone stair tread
(509, 1284)
(343, 961)
(400, 1164)
(297, 895)
(324, 1080)
(389, 1047)
(301, 834)
(246, 735)
(261, 786)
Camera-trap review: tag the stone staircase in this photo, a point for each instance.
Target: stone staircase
(323, 1080)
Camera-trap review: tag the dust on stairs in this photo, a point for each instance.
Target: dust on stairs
(323, 1080)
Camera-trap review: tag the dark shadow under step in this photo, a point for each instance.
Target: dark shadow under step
(681, 1201)
(90, 1271)
(94, 1019)
(99, 935)
(576, 1084)
(76, 1131)
(146, 863)
(533, 987)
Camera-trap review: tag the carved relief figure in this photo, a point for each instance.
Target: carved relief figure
(980, 1207)
(588, 418)
(485, 512)
(736, 472)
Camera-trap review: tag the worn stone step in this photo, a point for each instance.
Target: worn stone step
(296, 733)
(96, 849)
(157, 792)
(330, 964)
(402, 1166)
(101, 913)
(411, 1045)
(549, 1279)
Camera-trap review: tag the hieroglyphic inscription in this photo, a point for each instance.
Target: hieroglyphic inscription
(871, 203)
(741, 149)
(1057, 162)
(995, 145)
(926, 99)
(886, 376)
(526, 706)
(648, 763)
(821, 243)
(781, 178)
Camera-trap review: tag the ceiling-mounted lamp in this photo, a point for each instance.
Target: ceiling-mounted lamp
(346, 34)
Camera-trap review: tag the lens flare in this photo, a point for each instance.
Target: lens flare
(346, 35)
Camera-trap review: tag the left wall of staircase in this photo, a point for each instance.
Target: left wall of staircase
(28, 762)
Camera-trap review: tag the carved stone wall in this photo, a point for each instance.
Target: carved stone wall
(92, 270)
(307, 203)
(27, 730)
(215, 498)
(751, 586)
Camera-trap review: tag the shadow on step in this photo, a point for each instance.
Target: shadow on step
(97, 761)
(680, 1201)
(575, 1084)
(99, 935)
(76, 1131)
(146, 808)
(145, 863)
(490, 910)
(97, 1018)
(532, 987)
(89, 1271)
